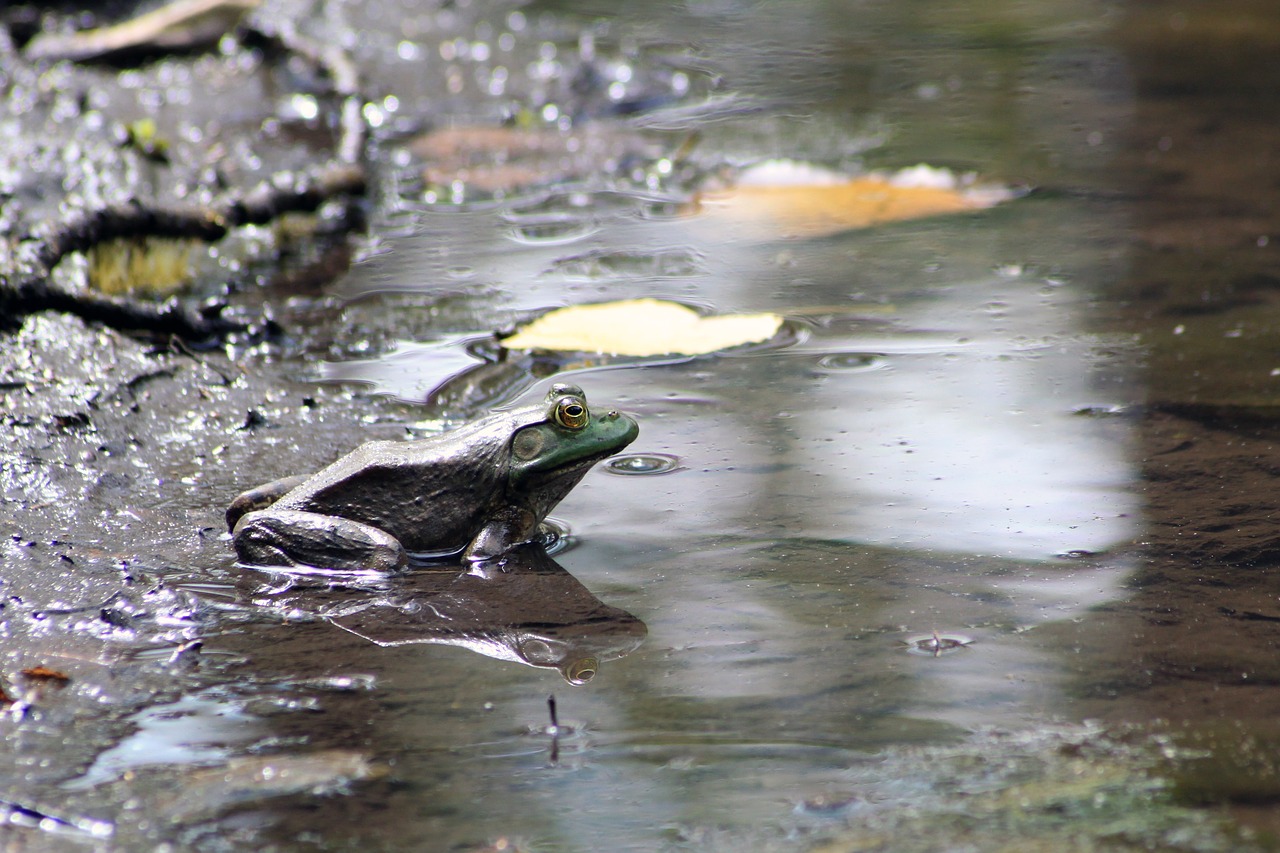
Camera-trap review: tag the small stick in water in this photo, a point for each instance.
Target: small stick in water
(554, 731)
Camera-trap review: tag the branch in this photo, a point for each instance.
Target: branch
(31, 289)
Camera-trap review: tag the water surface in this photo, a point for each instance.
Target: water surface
(948, 440)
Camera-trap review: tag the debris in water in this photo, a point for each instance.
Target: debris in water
(155, 265)
(183, 25)
(44, 673)
(554, 730)
(936, 645)
(206, 791)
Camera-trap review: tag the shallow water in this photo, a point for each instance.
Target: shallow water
(943, 446)
(915, 459)
(946, 441)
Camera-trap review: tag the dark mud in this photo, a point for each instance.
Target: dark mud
(1195, 646)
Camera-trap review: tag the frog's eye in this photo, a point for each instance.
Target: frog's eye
(571, 413)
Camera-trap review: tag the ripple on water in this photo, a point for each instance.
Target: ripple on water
(936, 645)
(852, 362)
(552, 232)
(643, 463)
(557, 537)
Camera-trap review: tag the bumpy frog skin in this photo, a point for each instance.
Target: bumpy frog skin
(481, 489)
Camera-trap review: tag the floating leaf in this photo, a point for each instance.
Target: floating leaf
(642, 327)
(182, 25)
(783, 198)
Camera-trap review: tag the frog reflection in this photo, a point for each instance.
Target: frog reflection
(534, 612)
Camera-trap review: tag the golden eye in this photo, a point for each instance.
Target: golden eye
(571, 413)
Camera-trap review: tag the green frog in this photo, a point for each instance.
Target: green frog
(481, 490)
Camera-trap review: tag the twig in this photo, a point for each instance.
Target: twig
(554, 731)
(31, 290)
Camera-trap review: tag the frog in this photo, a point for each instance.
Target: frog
(477, 491)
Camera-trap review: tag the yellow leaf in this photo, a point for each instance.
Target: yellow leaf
(782, 199)
(155, 265)
(641, 327)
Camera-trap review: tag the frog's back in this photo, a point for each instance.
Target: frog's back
(432, 494)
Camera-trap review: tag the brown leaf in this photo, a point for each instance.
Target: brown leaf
(783, 199)
(44, 673)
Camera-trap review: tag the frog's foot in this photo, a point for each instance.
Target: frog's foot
(290, 537)
(260, 498)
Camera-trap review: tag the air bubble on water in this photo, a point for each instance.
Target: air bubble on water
(852, 362)
(643, 463)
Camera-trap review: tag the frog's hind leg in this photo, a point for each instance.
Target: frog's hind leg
(296, 538)
(261, 497)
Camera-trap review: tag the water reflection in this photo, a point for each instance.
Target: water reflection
(529, 610)
(914, 465)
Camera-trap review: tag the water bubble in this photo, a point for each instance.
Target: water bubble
(935, 645)
(852, 362)
(643, 463)
(1077, 554)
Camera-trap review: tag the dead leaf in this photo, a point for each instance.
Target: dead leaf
(181, 25)
(785, 199)
(44, 673)
(497, 160)
(641, 327)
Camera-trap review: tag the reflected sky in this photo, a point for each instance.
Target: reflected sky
(943, 415)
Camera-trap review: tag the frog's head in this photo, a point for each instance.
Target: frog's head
(550, 455)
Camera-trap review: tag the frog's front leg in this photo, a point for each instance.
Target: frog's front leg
(510, 527)
(261, 497)
(290, 537)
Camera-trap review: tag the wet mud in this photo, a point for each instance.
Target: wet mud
(1193, 647)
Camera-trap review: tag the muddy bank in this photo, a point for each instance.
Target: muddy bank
(119, 457)
(1199, 636)
(1193, 647)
